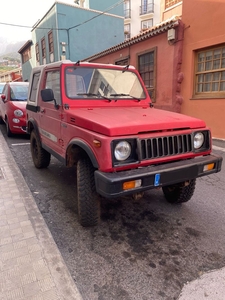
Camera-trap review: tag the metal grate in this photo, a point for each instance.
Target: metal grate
(165, 146)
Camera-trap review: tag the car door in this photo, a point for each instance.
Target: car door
(50, 115)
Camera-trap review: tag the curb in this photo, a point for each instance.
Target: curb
(218, 142)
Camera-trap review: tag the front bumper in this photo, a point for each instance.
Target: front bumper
(111, 184)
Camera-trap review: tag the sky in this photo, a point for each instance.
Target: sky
(22, 13)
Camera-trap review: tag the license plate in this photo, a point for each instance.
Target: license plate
(157, 180)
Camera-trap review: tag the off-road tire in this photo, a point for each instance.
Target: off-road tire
(179, 193)
(40, 156)
(88, 201)
(8, 131)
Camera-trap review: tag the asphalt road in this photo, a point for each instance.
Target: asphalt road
(142, 250)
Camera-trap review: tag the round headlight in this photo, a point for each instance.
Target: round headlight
(18, 113)
(198, 140)
(122, 150)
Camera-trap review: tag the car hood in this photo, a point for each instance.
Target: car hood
(128, 121)
(19, 105)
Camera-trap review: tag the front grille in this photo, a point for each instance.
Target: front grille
(165, 146)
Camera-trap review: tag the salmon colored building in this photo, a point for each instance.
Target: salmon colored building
(181, 60)
(203, 63)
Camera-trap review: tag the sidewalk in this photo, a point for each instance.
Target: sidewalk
(31, 266)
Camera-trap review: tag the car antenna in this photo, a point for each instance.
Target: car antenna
(125, 68)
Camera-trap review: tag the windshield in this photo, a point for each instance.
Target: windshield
(102, 83)
(19, 92)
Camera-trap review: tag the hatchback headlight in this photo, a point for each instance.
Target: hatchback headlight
(198, 140)
(122, 150)
(18, 113)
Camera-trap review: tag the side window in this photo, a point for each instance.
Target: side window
(53, 82)
(33, 92)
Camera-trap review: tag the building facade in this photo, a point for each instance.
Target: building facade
(170, 8)
(139, 15)
(203, 63)
(70, 31)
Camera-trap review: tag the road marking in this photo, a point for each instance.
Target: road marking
(20, 144)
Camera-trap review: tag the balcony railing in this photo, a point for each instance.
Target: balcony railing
(127, 13)
(147, 8)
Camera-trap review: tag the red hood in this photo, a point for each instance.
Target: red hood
(19, 104)
(128, 121)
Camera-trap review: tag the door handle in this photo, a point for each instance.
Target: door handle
(42, 110)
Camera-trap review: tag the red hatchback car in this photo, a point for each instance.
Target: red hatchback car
(13, 102)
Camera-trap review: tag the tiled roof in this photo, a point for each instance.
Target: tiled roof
(153, 31)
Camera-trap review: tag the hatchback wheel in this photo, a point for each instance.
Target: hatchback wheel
(8, 130)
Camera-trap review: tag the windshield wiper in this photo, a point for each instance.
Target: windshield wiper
(96, 95)
(122, 94)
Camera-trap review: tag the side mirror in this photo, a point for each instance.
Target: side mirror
(47, 95)
(3, 97)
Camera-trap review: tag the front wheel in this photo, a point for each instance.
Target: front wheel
(180, 192)
(8, 130)
(40, 156)
(87, 197)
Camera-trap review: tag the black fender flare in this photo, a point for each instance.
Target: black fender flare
(86, 148)
(34, 125)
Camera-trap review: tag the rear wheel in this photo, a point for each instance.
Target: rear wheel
(180, 192)
(8, 131)
(40, 156)
(87, 197)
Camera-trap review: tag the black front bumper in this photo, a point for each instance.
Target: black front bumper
(111, 184)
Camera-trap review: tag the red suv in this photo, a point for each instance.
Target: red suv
(13, 107)
(99, 118)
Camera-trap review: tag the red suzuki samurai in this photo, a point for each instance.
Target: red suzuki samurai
(99, 117)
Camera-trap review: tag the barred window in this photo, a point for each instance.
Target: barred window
(147, 70)
(37, 52)
(50, 42)
(126, 8)
(147, 6)
(169, 3)
(43, 48)
(210, 72)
